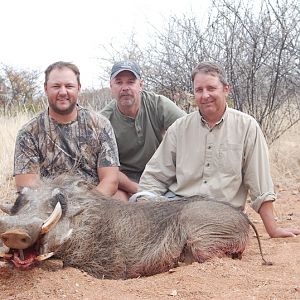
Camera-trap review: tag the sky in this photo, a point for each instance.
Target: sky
(36, 33)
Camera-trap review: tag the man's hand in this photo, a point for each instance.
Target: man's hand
(284, 232)
(27, 180)
(266, 213)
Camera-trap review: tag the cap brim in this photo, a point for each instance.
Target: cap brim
(119, 71)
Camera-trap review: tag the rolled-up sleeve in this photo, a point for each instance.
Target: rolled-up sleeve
(257, 175)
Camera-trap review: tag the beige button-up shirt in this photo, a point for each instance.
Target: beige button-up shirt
(224, 163)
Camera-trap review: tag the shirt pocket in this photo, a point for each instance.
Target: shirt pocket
(230, 158)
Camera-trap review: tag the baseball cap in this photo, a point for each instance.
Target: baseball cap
(126, 65)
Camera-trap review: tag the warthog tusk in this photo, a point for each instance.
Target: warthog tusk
(5, 255)
(53, 219)
(44, 256)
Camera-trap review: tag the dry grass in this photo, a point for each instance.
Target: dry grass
(284, 155)
(285, 160)
(9, 127)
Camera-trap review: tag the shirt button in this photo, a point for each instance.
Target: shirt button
(207, 164)
(209, 147)
(204, 181)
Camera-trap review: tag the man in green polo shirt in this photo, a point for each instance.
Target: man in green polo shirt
(139, 119)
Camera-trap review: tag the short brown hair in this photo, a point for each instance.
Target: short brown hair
(211, 68)
(61, 65)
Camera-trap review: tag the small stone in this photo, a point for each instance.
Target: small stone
(173, 293)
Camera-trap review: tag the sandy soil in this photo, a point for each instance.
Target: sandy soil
(219, 278)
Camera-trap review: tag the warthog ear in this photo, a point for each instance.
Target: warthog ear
(20, 202)
(6, 208)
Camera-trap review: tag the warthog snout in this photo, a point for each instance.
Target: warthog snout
(16, 239)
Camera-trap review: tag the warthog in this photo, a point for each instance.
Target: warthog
(113, 239)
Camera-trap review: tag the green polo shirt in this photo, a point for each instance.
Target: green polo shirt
(138, 138)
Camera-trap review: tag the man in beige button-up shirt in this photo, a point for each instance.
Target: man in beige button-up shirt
(216, 151)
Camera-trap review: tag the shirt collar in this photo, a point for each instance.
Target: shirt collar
(204, 122)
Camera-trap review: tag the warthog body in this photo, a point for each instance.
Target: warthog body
(112, 239)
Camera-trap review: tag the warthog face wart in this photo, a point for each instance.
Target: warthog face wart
(112, 239)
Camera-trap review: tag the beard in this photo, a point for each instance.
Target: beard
(65, 111)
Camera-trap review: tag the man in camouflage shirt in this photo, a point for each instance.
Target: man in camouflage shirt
(67, 138)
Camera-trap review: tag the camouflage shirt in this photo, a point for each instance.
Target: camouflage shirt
(48, 148)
